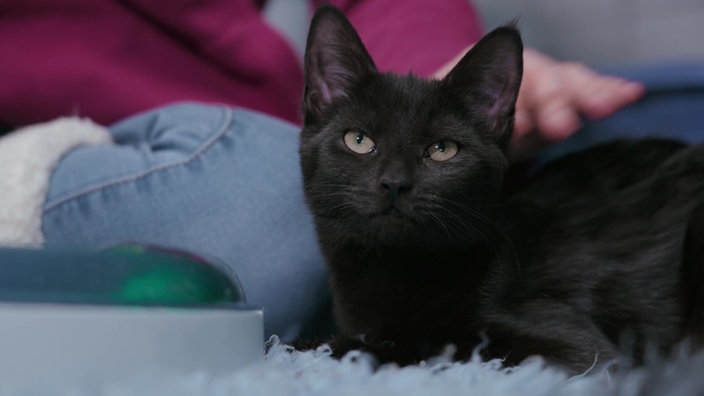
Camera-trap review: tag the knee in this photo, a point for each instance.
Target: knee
(173, 132)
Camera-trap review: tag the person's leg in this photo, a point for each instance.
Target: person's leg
(216, 181)
(673, 107)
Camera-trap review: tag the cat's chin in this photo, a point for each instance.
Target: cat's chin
(388, 229)
(391, 223)
(395, 229)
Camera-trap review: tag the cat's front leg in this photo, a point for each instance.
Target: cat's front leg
(575, 347)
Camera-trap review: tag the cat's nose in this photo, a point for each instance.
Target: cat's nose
(394, 188)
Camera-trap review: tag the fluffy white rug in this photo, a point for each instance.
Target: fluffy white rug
(288, 372)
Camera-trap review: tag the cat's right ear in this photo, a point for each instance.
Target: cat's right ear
(335, 60)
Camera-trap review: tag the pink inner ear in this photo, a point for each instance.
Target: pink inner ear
(504, 98)
(495, 108)
(323, 88)
(332, 81)
(499, 104)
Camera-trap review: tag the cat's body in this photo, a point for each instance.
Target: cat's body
(405, 180)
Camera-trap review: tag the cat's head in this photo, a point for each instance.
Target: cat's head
(393, 159)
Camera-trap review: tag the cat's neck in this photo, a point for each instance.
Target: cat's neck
(465, 254)
(412, 263)
(371, 283)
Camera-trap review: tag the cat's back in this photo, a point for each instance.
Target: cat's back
(603, 169)
(612, 204)
(615, 184)
(601, 233)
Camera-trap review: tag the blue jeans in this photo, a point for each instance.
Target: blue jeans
(216, 181)
(226, 183)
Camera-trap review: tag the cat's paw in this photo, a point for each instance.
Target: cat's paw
(384, 352)
(343, 345)
(307, 345)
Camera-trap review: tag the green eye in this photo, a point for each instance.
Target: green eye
(359, 142)
(442, 150)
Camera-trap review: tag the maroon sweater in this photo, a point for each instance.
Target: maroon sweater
(107, 59)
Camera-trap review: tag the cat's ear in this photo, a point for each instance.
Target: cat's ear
(335, 60)
(489, 77)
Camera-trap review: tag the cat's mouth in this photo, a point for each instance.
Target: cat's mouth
(391, 216)
(391, 210)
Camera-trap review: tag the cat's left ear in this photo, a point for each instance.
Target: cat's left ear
(335, 60)
(489, 76)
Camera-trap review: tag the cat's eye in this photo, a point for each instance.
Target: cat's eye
(359, 142)
(442, 150)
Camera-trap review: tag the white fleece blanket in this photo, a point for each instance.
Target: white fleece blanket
(287, 372)
(27, 158)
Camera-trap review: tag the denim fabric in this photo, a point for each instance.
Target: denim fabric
(215, 181)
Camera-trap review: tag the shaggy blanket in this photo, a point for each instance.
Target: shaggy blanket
(27, 158)
(285, 371)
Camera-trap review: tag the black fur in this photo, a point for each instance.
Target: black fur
(584, 262)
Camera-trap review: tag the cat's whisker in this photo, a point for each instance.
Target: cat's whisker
(339, 199)
(463, 229)
(442, 225)
(498, 231)
(459, 212)
(475, 231)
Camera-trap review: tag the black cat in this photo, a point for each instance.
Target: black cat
(406, 176)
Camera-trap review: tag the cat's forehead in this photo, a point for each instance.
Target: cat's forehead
(408, 108)
(406, 91)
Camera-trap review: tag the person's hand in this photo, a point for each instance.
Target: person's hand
(555, 95)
